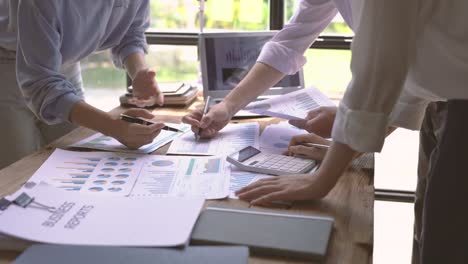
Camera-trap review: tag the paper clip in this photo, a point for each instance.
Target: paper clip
(4, 204)
(24, 200)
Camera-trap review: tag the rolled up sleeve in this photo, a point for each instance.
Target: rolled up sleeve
(379, 68)
(285, 52)
(409, 111)
(46, 91)
(134, 40)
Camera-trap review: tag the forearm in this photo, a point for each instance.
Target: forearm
(85, 115)
(335, 163)
(260, 78)
(134, 63)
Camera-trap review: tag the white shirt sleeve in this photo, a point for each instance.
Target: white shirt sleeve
(285, 52)
(381, 54)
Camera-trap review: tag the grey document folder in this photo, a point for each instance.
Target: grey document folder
(265, 232)
(52, 254)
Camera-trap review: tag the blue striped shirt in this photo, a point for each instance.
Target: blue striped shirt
(52, 34)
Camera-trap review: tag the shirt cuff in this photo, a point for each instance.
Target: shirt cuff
(408, 116)
(282, 58)
(59, 110)
(119, 60)
(360, 130)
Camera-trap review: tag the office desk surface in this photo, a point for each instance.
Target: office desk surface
(351, 202)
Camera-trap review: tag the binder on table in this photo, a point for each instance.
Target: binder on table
(265, 232)
(55, 254)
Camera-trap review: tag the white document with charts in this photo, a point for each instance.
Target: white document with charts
(230, 139)
(126, 174)
(103, 142)
(291, 106)
(75, 219)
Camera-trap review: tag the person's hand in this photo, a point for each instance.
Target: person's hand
(318, 121)
(145, 89)
(135, 135)
(217, 117)
(296, 146)
(285, 188)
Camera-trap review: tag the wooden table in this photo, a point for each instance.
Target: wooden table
(351, 202)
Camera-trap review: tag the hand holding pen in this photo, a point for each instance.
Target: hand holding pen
(205, 110)
(310, 146)
(210, 119)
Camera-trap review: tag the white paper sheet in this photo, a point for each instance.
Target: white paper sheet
(230, 139)
(293, 105)
(275, 138)
(108, 221)
(103, 142)
(122, 174)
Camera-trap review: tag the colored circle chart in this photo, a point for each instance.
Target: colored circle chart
(100, 182)
(104, 176)
(96, 189)
(162, 163)
(118, 182)
(122, 176)
(114, 189)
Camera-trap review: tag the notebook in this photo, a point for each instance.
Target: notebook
(54, 254)
(265, 232)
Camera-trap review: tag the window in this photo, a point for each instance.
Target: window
(182, 15)
(102, 81)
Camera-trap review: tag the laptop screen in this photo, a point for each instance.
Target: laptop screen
(228, 57)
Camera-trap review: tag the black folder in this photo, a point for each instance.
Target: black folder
(265, 232)
(55, 254)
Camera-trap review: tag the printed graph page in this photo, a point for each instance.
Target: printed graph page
(230, 139)
(163, 176)
(292, 106)
(103, 142)
(108, 221)
(106, 173)
(241, 179)
(123, 174)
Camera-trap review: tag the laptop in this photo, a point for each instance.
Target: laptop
(226, 58)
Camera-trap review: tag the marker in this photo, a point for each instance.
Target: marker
(205, 110)
(146, 122)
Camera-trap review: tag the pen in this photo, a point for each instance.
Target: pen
(320, 146)
(145, 122)
(205, 110)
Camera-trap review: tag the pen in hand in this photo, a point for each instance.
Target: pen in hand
(320, 146)
(205, 110)
(142, 121)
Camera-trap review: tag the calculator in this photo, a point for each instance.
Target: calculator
(252, 159)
